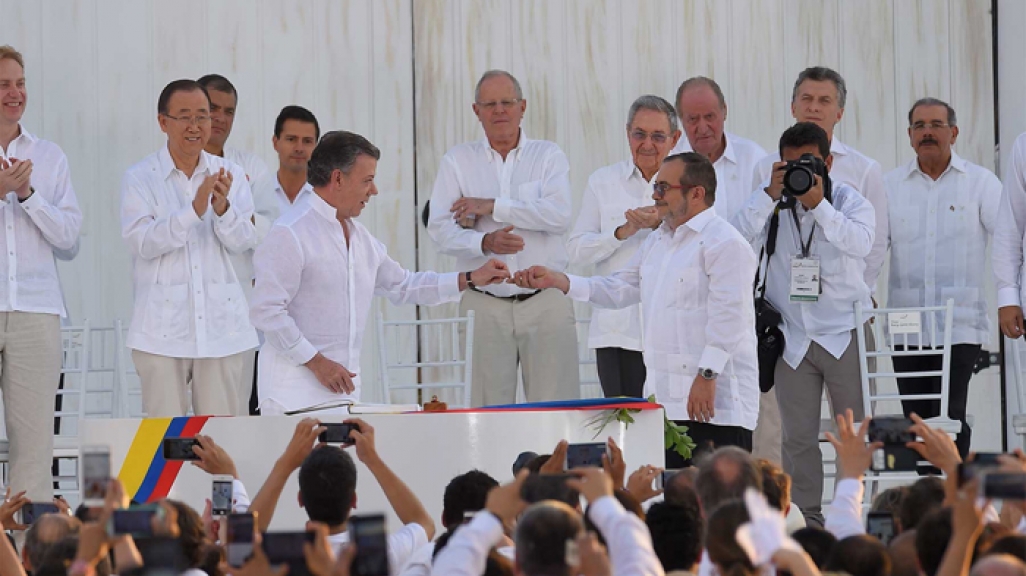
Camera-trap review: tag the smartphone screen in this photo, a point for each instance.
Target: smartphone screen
(180, 449)
(240, 538)
(95, 475)
(585, 455)
(371, 538)
(1004, 485)
(221, 497)
(881, 525)
(138, 522)
(337, 433)
(33, 510)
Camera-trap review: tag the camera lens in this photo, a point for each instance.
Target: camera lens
(798, 180)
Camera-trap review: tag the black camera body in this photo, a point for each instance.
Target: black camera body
(800, 176)
(893, 432)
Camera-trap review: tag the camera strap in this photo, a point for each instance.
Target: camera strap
(768, 249)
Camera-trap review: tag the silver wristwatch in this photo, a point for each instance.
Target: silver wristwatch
(708, 373)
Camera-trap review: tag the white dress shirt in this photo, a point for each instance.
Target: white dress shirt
(865, 175)
(314, 292)
(627, 539)
(733, 172)
(188, 300)
(843, 236)
(939, 244)
(697, 280)
(269, 203)
(401, 545)
(1010, 234)
(531, 188)
(255, 170)
(251, 164)
(611, 191)
(43, 227)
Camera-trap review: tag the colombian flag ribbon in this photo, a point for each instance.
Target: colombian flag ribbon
(146, 476)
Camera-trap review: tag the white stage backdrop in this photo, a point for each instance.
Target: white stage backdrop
(402, 73)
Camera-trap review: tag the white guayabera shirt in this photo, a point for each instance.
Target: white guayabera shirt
(733, 172)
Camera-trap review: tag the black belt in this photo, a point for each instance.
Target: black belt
(514, 298)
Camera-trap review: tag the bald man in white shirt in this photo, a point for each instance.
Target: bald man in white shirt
(508, 196)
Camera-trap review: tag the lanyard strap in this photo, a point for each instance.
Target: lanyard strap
(804, 246)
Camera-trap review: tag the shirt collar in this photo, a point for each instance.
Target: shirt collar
(702, 219)
(321, 206)
(956, 162)
(23, 134)
(167, 164)
(728, 151)
(837, 147)
(490, 152)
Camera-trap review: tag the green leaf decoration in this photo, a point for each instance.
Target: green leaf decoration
(675, 436)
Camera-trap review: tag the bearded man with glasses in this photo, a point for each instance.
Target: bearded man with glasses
(693, 277)
(616, 218)
(183, 211)
(507, 197)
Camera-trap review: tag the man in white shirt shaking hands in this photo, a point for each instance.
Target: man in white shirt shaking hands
(317, 274)
(694, 274)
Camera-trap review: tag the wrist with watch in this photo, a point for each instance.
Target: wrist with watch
(470, 283)
(708, 373)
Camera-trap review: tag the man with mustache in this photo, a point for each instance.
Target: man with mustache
(944, 210)
(692, 277)
(703, 112)
(616, 217)
(317, 273)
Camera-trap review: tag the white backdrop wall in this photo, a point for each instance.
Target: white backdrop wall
(402, 72)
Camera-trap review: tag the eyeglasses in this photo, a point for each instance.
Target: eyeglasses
(661, 188)
(190, 120)
(920, 126)
(657, 137)
(490, 106)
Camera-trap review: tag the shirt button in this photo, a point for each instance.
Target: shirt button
(200, 317)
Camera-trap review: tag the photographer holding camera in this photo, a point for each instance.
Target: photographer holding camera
(821, 234)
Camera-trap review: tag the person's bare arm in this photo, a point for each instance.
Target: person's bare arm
(299, 448)
(404, 502)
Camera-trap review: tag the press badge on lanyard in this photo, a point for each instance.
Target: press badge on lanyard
(806, 283)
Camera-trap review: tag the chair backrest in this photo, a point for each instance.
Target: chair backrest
(443, 361)
(590, 385)
(102, 399)
(73, 391)
(916, 331)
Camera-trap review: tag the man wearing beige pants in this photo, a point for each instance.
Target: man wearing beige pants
(40, 216)
(508, 197)
(183, 212)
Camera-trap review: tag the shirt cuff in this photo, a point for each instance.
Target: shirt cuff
(240, 498)
(580, 288)
(488, 525)
(301, 353)
(501, 210)
(604, 510)
(229, 217)
(1008, 296)
(823, 212)
(33, 202)
(850, 487)
(714, 359)
(449, 286)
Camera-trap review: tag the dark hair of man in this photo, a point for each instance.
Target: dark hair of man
(928, 101)
(59, 555)
(192, 536)
(680, 487)
(932, 535)
(804, 134)
(924, 495)
(327, 483)
(465, 493)
(776, 484)
(211, 557)
(860, 555)
(725, 475)
(48, 530)
(299, 114)
(338, 150)
(676, 533)
(721, 542)
(219, 83)
(175, 87)
(698, 171)
(822, 74)
(1013, 544)
(890, 501)
(541, 536)
(817, 543)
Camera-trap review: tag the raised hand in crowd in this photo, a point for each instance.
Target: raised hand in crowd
(614, 463)
(504, 501)
(213, 459)
(967, 523)
(594, 560)
(10, 562)
(641, 483)
(854, 455)
(592, 483)
(258, 564)
(936, 446)
(10, 508)
(299, 447)
(557, 461)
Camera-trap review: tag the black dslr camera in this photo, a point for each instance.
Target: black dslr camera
(800, 177)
